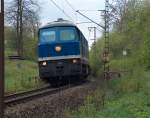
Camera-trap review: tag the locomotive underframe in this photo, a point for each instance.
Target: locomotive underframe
(64, 68)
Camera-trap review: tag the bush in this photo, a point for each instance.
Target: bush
(30, 49)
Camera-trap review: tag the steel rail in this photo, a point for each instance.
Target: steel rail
(9, 96)
(30, 95)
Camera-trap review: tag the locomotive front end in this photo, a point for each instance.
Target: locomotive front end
(62, 51)
(59, 51)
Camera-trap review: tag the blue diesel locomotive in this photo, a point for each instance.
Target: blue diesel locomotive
(62, 50)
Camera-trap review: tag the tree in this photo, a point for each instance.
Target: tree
(122, 11)
(118, 9)
(23, 15)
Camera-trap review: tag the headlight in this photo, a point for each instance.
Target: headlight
(74, 61)
(44, 63)
(58, 48)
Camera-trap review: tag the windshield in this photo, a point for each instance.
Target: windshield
(47, 35)
(68, 34)
(57, 34)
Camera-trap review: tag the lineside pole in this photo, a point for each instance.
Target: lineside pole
(107, 45)
(1, 58)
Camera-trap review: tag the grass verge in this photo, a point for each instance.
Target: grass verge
(20, 75)
(119, 98)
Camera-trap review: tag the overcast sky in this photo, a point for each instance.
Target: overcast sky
(49, 12)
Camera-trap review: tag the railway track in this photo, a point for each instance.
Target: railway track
(33, 94)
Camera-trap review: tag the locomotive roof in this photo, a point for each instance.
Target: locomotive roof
(59, 22)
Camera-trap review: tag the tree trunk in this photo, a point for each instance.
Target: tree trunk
(21, 29)
(17, 29)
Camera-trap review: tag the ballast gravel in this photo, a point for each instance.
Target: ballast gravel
(50, 106)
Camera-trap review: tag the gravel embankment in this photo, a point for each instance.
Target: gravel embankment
(50, 106)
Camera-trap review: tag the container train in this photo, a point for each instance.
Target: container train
(62, 51)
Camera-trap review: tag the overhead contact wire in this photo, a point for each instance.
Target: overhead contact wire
(61, 9)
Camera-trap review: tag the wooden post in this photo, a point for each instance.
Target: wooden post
(1, 58)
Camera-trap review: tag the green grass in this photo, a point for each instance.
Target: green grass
(20, 74)
(135, 105)
(124, 98)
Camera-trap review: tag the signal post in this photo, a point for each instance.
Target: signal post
(1, 58)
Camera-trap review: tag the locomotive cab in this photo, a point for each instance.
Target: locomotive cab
(62, 50)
